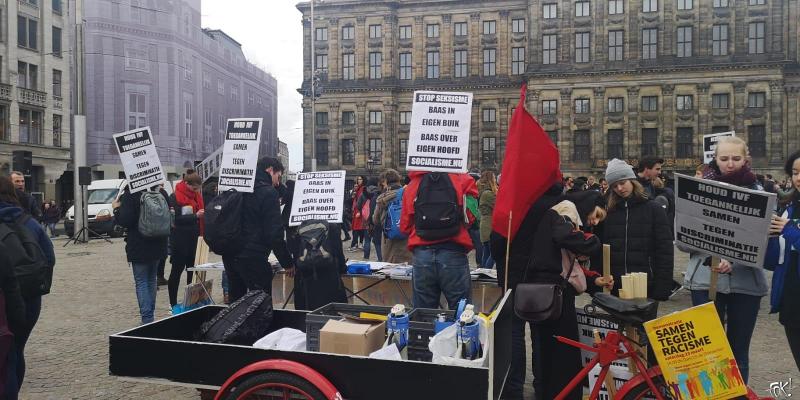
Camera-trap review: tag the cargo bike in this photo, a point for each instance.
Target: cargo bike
(163, 352)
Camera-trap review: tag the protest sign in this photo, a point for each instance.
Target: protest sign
(619, 368)
(723, 220)
(694, 354)
(139, 157)
(240, 155)
(210, 166)
(440, 132)
(710, 144)
(318, 196)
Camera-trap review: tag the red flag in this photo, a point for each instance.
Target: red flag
(530, 167)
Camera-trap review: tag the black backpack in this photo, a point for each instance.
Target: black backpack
(31, 267)
(315, 253)
(243, 322)
(436, 212)
(223, 223)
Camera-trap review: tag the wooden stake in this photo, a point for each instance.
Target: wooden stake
(606, 265)
(712, 286)
(508, 248)
(609, 380)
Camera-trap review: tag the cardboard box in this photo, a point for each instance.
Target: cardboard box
(343, 337)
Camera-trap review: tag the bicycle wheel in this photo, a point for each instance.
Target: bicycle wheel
(642, 391)
(275, 385)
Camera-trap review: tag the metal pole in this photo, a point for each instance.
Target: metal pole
(313, 95)
(79, 128)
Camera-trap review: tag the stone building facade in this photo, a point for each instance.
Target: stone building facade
(606, 78)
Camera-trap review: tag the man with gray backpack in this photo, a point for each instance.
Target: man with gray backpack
(388, 210)
(147, 217)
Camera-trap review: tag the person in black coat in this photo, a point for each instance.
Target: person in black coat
(188, 205)
(315, 289)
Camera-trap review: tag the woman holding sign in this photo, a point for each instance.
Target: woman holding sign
(739, 288)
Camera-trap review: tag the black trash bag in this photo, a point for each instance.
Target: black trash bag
(243, 322)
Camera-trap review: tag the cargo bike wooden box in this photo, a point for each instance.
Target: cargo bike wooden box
(163, 352)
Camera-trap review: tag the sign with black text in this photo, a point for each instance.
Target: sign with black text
(210, 166)
(240, 155)
(723, 220)
(318, 196)
(139, 157)
(440, 132)
(710, 144)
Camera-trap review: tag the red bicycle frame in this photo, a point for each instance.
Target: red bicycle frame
(608, 350)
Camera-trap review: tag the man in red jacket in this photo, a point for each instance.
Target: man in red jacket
(434, 220)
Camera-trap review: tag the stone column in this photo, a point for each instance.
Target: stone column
(703, 120)
(418, 52)
(362, 58)
(475, 49)
(775, 142)
(475, 135)
(564, 131)
(503, 118)
(740, 105)
(503, 53)
(361, 135)
(598, 132)
(667, 132)
(335, 160)
(793, 117)
(633, 122)
(390, 144)
(334, 50)
(446, 48)
(389, 66)
(307, 134)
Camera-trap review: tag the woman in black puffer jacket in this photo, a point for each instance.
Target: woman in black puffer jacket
(638, 231)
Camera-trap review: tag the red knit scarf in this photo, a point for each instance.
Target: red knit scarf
(185, 196)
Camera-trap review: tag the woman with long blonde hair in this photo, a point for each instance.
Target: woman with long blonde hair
(487, 194)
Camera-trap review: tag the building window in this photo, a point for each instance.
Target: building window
(461, 62)
(376, 151)
(720, 3)
(27, 31)
(582, 47)
(615, 104)
(206, 80)
(432, 31)
(582, 106)
(27, 76)
(549, 107)
(756, 99)
(489, 62)
(582, 8)
(649, 142)
(321, 34)
(553, 137)
(348, 118)
(405, 117)
(375, 62)
(188, 71)
(649, 5)
(251, 97)
(757, 2)
(137, 110)
(460, 28)
(489, 115)
(3, 122)
(582, 146)
(755, 38)
(405, 32)
(57, 6)
(348, 151)
(321, 62)
(348, 66)
(375, 117)
(405, 66)
(615, 7)
(650, 103)
(517, 60)
(518, 25)
(136, 58)
(550, 10)
(684, 4)
(683, 139)
(221, 89)
(57, 41)
(549, 49)
(489, 151)
(30, 126)
(322, 151)
(403, 151)
(432, 65)
(614, 148)
(649, 43)
(322, 118)
(187, 118)
(375, 31)
(348, 32)
(719, 40)
(57, 130)
(684, 102)
(684, 41)
(208, 122)
(489, 27)
(57, 83)
(720, 101)
(615, 45)
(757, 140)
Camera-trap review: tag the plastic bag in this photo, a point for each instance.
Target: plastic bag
(283, 339)
(389, 352)
(445, 350)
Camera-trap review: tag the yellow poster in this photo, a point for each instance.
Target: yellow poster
(694, 354)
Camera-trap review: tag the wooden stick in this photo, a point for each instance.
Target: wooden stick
(508, 248)
(712, 286)
(606, 265)
(609, 380)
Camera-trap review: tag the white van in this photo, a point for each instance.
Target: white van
(101, 216)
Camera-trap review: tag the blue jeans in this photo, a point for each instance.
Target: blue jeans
(376, 239)
(144, 276)
(440, 269)
(475, 236)
(225, 284)
(16, 357)
(738, 313)
(487, 261)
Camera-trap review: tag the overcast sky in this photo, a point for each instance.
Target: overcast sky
(271, 35)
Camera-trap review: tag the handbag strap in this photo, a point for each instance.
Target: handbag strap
(531, 259)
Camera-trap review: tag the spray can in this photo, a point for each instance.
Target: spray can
(468, 335)
(397, 329)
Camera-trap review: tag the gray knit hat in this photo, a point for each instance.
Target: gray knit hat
(618, 170)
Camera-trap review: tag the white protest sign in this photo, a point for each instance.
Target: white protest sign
(318, 195)
(723, 220)
(710, 144)
(440, 132)
(240, 155)
(139, 157)
(210, 166)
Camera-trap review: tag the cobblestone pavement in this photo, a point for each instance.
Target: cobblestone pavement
(93, 297)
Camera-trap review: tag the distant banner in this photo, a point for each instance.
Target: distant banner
(240, 155)
(440, 132)
(710, 144)
(723, 220)
(139, 157)
(318, 196)
(210, 166)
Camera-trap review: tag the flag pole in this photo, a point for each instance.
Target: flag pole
(508, 248)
